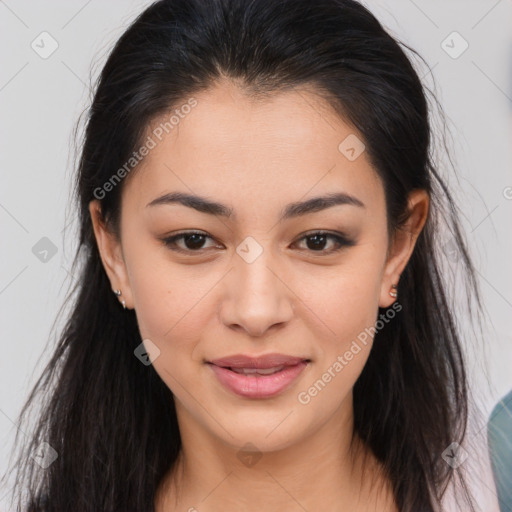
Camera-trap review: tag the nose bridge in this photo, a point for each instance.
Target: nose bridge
(257, 298)
(255, 278)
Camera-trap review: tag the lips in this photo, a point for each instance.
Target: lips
(258, 377)
(239, 361)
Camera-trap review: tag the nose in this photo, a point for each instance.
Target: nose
(256, 298)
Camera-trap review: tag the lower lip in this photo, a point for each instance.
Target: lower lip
(258, 386)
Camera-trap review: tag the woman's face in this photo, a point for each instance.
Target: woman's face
(257, 281)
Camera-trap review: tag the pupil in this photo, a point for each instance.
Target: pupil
(316, 245)
(196, 243)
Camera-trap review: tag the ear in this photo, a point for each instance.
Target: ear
(111, 254)
(402, 244)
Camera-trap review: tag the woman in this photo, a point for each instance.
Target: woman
(261, 322)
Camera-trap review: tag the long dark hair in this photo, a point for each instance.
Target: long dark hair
(112, 420)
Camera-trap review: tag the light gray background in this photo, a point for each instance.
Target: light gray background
(40, 100)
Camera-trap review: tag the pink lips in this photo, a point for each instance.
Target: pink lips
(278, 371)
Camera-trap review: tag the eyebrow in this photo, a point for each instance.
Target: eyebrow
(291, 210)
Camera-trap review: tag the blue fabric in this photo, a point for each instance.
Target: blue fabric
(499, 438)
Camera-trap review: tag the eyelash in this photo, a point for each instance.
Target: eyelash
(340, 239)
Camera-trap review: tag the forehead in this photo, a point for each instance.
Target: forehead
(230, 145)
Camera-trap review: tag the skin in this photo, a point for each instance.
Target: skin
(256, 156)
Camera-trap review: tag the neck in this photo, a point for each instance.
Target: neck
(326, 470)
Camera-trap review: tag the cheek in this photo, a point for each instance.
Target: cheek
(349, 307)
(169, 300)
(345, 298)
(350, 311)
(172, 311)
(344, 312)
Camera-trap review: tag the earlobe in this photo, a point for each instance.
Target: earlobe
(402, 245)
(111, 256)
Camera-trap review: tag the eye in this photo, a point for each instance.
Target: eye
(316, 241)
(193, 241)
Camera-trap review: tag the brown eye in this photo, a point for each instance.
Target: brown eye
(192, 241)
(317, 242)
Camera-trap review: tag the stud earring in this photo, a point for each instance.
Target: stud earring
(393, 291)
(123, 302)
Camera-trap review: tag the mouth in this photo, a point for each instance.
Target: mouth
(256, 371)
(266, 361)
(260, 377)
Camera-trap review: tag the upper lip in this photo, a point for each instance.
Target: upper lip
(264, 361)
